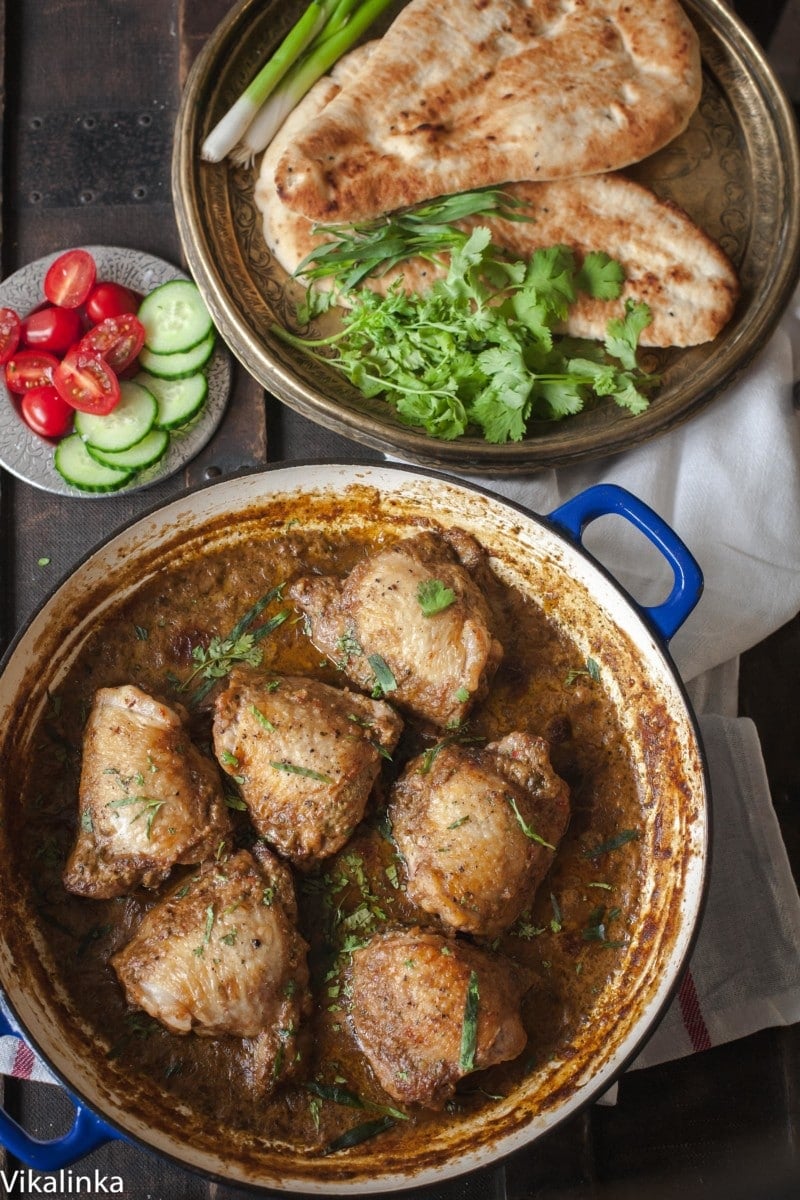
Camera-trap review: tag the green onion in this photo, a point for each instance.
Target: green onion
(233, 126)
(326, 30)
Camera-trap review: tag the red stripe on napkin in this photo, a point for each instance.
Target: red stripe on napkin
(24, 1062)
(693, 1015)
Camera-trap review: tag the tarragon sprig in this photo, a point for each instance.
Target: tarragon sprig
(426, 231)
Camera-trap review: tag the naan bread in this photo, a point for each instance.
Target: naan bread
(669, 262)
(461, 94)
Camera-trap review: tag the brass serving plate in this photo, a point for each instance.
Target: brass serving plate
(735, 170)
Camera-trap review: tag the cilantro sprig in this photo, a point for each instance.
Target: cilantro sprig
(434, 597)
(479, 351)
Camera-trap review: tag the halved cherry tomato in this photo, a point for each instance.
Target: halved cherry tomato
(86, 382)
(117, 339)
(70, 278)
(9, 333)
(46, 413)
(52, 328)
(30, 369)
(110, 300)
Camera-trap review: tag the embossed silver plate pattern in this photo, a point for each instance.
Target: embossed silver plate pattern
(30, 457)
(735, 170)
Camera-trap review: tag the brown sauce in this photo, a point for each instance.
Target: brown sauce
(583, 912)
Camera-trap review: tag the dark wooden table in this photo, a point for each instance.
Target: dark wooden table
(91, 95)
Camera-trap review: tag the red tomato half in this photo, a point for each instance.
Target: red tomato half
(86, 382)
(117, 339)
(52, 328)
(46, 413)
(30, 369)
(110, 300)
(9, 333)
(70, 278)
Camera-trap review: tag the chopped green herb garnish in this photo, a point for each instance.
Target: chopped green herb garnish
(349, 647)
(263, 721)
(469, 1027)
(148, 806)
(342, 1095)
(525, 827)
(620, 839)
(457, 737)
(597, 927)
(198, 950)
(305, 771)
(235, 802)
(592, 670)
(360, 1133)
(385, 681)
(434, 597)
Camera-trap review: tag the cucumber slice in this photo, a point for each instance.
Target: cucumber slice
(74, 463)
(178, 399)
(174, 317)
(178, 366)
(149, 450)
(125, 425)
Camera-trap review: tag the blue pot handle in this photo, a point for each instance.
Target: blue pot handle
(607, 498)
(87, 1131)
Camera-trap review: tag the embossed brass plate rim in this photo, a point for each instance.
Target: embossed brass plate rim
(736, 170)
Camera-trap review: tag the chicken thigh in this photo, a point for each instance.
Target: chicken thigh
(219, 956)
(305, 755)
(427, 1010)
(148, 798)
(412, 621)
(478, 829)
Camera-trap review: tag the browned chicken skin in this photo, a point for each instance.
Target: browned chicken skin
(441, 663)
(470, 824)
(148, 798)
(409, 999)
(219, 956)
(306, 756)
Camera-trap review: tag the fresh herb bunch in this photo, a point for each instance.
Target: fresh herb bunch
(479, 349)
(374, 247)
